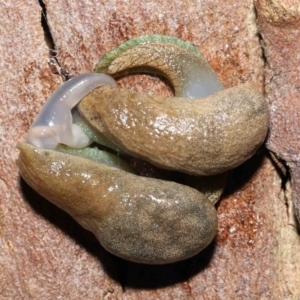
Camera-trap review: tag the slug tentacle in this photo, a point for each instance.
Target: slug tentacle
(54, 124)
(180, 62)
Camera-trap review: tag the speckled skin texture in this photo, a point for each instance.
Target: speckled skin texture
(201, 137)
(140, 219)
(44, 254)
(179, 61)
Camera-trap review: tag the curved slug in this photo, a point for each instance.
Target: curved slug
(201, 136)
(54, 124)
(180, 62)
(204, 137)
(141, 219)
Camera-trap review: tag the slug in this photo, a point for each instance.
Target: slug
(209, 135)
(180, 62)
(201, 136)
(54, 124)
(140, 219)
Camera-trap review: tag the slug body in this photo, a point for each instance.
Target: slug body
(54, 124)
(211, 134)
(180, 62)
(140, 219)
(202, 136)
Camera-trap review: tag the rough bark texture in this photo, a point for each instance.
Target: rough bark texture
(44, 254)
(279, 23)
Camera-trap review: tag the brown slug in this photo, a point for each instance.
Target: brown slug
(141, 219)
(201, 136)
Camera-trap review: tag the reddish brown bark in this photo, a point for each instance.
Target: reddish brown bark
(44, 254)
(279, 25)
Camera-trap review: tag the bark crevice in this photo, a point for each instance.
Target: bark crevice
(53, 61)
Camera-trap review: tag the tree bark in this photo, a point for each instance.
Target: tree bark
(45, 254)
